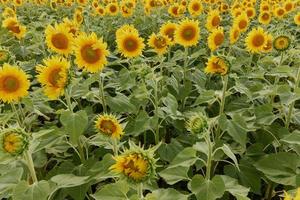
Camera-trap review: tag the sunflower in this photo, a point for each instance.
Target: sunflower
(288, 6)
(265, 7)
(288, 197)
(8, 12)
(216, 65)
(281, 43)
(108, 125)
(187, 33)
(13, 141)
(174, 10)
(130, 44)
(73, 27)
(250, 12)
(195, 8)
(256, 40)
(159, 43)
(265, 18)
(14, 27)
(4, 56)
(168, 29)
(13, 83)
(112, 9)
(90, 52)
(78, 17)
(242, 22)
(279, 12)
(215, 38)
(126, 28)
(126, 11)
(213, 20)
(59, 39)
(100, 10)
(297, 19)
(53, 76)
(234, 34)
(269, 46)
(197, 124)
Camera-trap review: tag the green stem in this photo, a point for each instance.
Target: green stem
(291, 106)
(81, 151)
(140, 191)
(68, 100)
(209, 158)
(156, 135)
(19, 120)
(101, 84)
(269, 192)
(185, 70)
(30, 165)
(277, 78)
(115, 146)
(223, 98)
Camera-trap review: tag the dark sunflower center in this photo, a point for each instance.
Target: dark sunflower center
(236, 34)
(215, 21)
(160, 43)
(242, 24)
(219, 38)
(170, 33)
(107, 126)
(130, 44)
(10, 84)
(14, 27)
(250, 13)
(280, 12)
(54, 77)
(90, 55)
(288, 7)
(189, 33)
(60, 41)
(196, 7)
(265, 16)
(258, 40)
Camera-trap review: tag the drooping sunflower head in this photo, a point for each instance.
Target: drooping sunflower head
(195, 8)
(168, 29)
(112, 9)
(136, 164)
(297, 19)
(217, 65)
(90, 52)
(234, 34)
(269, 45)
(108, 124)
(197, 124)
(130, 44)
(73, 27)
(53, 76)
(242, 22)
(282, 43)
(216, 38)
(159, 43)
(213, 20)
(4, 56)
(59, 39)
(187, 33)
(14, 83)
(13, 26)
(265, 18)
(256, 40)
(78, 17)
(13, 141)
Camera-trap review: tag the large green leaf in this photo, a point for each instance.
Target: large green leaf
(112, 191)
(39, 190)
(233, 187)
(166, 194)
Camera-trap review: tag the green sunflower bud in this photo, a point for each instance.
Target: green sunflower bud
(197, 124)
(4, 56)
(282, 43)
(13, 141)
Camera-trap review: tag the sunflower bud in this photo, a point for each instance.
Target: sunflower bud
(4, 56)
(136, 164)
(13, 141)
(109, 125)
(197, 124)
(282, 43)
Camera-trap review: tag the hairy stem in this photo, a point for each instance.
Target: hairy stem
(30, 165)
(223, 98)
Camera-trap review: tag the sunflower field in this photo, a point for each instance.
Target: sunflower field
(149, 99)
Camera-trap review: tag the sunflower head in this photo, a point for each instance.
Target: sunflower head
(234, 34)
(112, 9)
(242, 22)
(297, 19)
(197, 124)
(269, 45)
(168, 29)
(279, 12)
(108, 124)
(13, 26)
(13, 141)
(8, 12)
(195, 8)
(136, 164)
(265, 18)
(217, 65)
(159, 43)
(256, 40)
(187, 33)
(216, 38)
(90, 52)
(4, 56)
(213, 20)
(282, 43)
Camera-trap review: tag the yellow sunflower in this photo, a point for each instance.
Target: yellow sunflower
(279, 12)
(109, 125)
(14, 83)
(100, 10)
(251, 13)
(242, 22)
(4, 56)
(297, 19)
(216, 65)
(126, 28)
(234, 34)
(288, 6)
(187, 33)
(174, 10)
(159, 43)
(213, 20)
(265, 7)
(73, 27)
(112, 9)
(281, 43)
(8, 12)
(59, 39)
(14, 27)
(195, 8)
(130, 44)
(269, 46)
(78, 17)
(90, 52)
(168, 29)
(53, 76)
(265, 18)
(256, 40)
(216, 38)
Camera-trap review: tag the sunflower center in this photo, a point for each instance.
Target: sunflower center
(265, 8)
(219, 38)
(130, 44)
(215, 21)
(258, 40)
(288, 7)
(113, 8)
(175, 10)
(265, 16)
(14, 27)
(160, 43)
(170, 33)
(189, 33)
(250, 13)
(60, 41)
(236, 34)
(243, 24)
(107, 126)
(90, 55)
(281, 42)
(54, 77)
(10, 84)
(217, 67)
(280, 12)
(196, 7)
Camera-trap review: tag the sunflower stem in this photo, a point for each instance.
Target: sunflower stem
(185, 70)
(19, 120)
(140, 191)
(81, 151)
(156, 134)
(291, 106)
(115, 146)
(101, 84)
(68, 100)
(30, 165)
(209, 158)
(223, 98)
